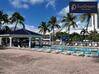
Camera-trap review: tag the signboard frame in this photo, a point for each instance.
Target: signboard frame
(83, 7)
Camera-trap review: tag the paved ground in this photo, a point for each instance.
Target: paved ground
(15, 61)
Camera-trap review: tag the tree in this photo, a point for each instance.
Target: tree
(1, 15)
(59, 35)
(43, 28)
(75, 36)
(69, 21)
(52, 25)
(94, 35)
(6, 29)
(3, 18)
(86, 17)
(84, 33)
(18, 19)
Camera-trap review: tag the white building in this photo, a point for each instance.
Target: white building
(94, 21)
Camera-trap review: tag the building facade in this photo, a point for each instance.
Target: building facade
(94, 21)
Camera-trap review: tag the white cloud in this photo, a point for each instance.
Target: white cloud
(51, 3)
(64, 11)
(25, 6)
(19, 3)
(36, 1)
(32, 28)
(28, 27)
(27, 3)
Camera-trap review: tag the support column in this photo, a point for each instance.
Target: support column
(30, 42)
(96, 21)
(50, 39)
(40, 41)
(92, 22)
(0, 40)
(10, 41)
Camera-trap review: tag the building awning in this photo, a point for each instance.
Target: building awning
(20, 32)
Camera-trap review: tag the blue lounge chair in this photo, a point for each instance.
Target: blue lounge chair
(71, 51)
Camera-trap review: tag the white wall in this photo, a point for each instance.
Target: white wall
(94, 20)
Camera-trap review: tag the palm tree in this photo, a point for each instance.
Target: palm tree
(75, 36)
(1, 14)
(93, 35)
(83, 33)
(43, 28)
(52, 25)
(6, 29)
(18, 19)
(69, 21)
(3, 18)
(86, 17)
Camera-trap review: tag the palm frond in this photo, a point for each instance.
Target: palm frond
(69, 21)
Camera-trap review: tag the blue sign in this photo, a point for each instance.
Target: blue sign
(83, 7)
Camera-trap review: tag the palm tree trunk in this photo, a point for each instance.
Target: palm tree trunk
(94, 25)
(15, 25)
(94, 22)
(87, 26)
(44, 35)
(68, 30)
(23, 26)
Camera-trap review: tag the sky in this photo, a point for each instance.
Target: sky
(35, 11)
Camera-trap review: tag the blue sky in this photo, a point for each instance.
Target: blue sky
(35, 11)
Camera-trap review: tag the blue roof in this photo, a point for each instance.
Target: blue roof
(21, 32)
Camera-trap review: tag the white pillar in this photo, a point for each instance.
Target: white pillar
(96, 20)
(92, 22)
(0, 40)
(40, 41)
(30, 42)
(10, 41)
(50, 39)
